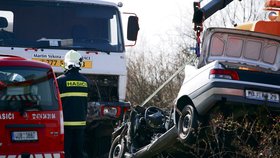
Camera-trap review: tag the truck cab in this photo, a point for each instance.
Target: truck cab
(45, 30)
(31, 118)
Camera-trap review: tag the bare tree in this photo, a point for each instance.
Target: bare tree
(147, 72)
(237, 12)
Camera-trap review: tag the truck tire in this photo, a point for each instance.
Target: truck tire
(117, 149)
(187, 125)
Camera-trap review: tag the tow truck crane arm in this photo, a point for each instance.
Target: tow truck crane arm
(201, 14)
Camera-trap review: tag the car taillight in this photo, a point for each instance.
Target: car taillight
(111, 111)
(224, 74)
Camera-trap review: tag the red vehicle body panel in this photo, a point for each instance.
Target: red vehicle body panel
(45, 126)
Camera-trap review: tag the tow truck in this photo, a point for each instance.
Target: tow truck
(237, 68)
(44, 30)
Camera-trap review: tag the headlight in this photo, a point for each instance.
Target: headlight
(110, 111)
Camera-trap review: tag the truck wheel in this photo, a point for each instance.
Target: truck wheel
(187, 125)
(117, 149)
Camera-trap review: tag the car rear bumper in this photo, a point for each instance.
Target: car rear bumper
(231, 93)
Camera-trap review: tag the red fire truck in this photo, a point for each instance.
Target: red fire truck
(31, 118)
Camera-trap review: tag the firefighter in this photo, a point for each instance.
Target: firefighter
(75, 90)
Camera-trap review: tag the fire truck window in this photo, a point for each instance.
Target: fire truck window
(22, 86)
(3, 77)
(16, 78)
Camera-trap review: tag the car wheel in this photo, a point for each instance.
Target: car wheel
(187, 125)
(117, 149)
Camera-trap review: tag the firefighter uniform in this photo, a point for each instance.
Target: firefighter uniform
(74, 91)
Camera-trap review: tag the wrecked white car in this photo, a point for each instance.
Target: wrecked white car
(237, 70)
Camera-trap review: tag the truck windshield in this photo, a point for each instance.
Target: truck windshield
(60, 25)
(27, 88)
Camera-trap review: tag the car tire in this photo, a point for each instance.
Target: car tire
(187, 125)
(117, 149)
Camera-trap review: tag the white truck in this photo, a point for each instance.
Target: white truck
(44, 30)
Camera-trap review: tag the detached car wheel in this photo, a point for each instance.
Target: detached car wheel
(187, 124)
(117, 149)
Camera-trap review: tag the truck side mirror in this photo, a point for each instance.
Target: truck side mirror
(132, 28)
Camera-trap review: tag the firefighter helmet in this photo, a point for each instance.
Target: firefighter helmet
(73, 59)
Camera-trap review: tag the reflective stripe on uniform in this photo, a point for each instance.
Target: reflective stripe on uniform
(76, 123)
(73, 94)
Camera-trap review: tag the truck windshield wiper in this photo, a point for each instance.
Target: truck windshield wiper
(91, 49)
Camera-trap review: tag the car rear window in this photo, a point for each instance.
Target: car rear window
(25, 88)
